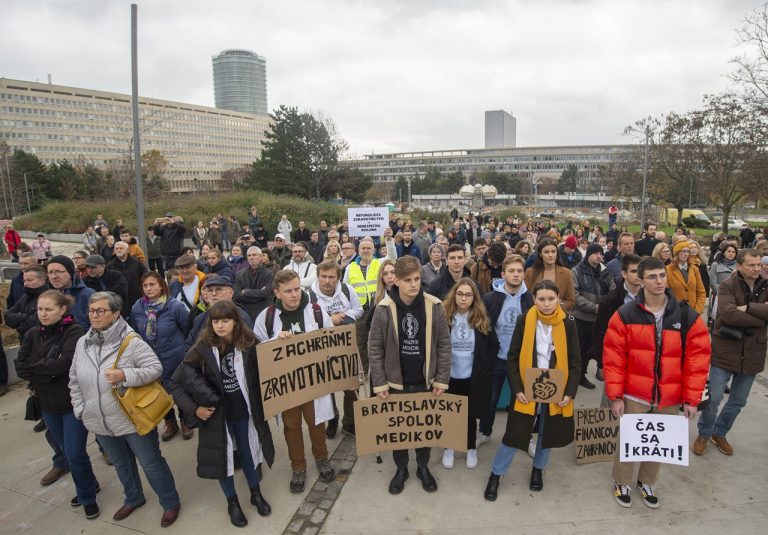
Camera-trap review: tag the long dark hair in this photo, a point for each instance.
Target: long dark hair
(242, 336)
(538, 264)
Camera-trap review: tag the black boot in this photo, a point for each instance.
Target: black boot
(398, 482)
(586, 383)
(537, 481)
(332, 427)
(262, 507)
(492, 489)
(236, 515)
(428, 482)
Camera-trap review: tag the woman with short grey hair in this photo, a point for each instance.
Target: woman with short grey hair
(434, 267)
(91, 379)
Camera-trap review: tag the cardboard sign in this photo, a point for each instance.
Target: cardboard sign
(661, 438)
(405, 421)
(367, 221)
(597, 436)
(307, 366)
(543, 385)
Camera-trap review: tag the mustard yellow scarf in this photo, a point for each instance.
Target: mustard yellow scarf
(560, 342)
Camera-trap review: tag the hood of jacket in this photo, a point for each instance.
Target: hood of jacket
(498, 286)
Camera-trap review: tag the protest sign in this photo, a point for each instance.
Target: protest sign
(543, 385)
(367, 221)
(307, 366)
(661, 438)
(597, 436)
(404, 421)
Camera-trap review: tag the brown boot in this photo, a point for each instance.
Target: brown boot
(186, 432)
(700, 446)
(53, 476)
(722, 444)
(171, 429)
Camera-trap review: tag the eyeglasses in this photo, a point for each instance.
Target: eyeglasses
(98, 312)
(57, 272)
(462, 295)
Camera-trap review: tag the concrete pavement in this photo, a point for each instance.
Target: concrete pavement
(715, 494)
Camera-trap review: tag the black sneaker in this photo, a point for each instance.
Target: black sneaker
(649, 498)
(39, 426)
(586, 383)
(74, 502)
(91, 511)
(298, 480)
(622, 495)
(349, 429)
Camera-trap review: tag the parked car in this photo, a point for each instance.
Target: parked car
(733, 224)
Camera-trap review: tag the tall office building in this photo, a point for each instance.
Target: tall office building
(240, 81)
(500, 130)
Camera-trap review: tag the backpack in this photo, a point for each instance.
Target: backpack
(344, 290)
(269, 321)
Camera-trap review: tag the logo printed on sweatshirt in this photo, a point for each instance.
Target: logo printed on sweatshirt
(410, 325)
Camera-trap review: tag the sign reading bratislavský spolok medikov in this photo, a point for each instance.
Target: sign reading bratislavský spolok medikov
(405, 421)
(307, 366)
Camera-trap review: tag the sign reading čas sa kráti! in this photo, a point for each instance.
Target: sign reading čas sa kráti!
(405, 421)
(367, 221)
(597, 435)
(660, 438)
(307, 366)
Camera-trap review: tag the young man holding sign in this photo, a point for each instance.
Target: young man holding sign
(650, 368)
(409, 350)
(292, 314)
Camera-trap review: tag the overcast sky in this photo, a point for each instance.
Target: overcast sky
(401, 75)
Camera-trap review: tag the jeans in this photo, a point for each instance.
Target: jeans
(59, 458)
(505, 454)
(124, 451)
(238, 430)
(422, 454)
(710, 422)
(498, 376)
(71, 435)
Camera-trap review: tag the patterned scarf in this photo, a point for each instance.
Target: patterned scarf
(151, 308)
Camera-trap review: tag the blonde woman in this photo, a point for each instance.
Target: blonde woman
(333, 251)
(663, 252)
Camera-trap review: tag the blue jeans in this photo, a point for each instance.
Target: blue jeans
(505, 454)
(59, 459)
(238, 430)
(71, 436)
(710, 422)
(124, 450)
(498, 376)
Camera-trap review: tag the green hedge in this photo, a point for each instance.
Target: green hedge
(75, 216)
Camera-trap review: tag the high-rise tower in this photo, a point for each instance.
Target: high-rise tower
(240, 81)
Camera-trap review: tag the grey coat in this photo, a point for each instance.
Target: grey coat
(92, 398)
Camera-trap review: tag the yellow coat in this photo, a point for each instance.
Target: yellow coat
(692, 292)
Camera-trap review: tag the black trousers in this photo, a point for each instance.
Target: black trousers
(460, 387)
(156, 264)
(422, 454)
(584, 330)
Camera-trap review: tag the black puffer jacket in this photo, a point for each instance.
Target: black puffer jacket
(197, 383)
(44, 359)
(22, 316)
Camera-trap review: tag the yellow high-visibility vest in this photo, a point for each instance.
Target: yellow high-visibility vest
(365, 287)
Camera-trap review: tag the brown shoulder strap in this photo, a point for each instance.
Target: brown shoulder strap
(123, 347)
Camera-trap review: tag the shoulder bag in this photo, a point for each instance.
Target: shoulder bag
(144, 405)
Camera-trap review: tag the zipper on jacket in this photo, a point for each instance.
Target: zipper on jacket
(98, 390)
(656, 394)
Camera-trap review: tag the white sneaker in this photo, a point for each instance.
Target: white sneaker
(471, 458)
(482, 439)
(448, 458)
(532, 446)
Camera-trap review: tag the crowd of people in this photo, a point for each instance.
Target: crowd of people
(464, 309)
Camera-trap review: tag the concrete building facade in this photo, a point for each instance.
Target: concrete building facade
(58, 122)
(533, 164)
(500, 130)
(240, 81)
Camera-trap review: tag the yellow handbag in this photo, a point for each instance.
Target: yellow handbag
(144, 405)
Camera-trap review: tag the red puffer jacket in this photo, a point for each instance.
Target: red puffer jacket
(634, 366)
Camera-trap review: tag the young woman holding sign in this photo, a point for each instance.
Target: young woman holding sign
(217, 389)
(473, 347)
(544, 338)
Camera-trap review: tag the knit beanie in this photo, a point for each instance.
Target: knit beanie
(571, 242)
(65, 261)
(592, 249)
(679, 246)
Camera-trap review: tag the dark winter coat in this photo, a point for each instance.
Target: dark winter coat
(22, 316)
(81, 293)
(443, 284)
(591, 285)
(171, 322)
(44, 359)
(253, 290)
(16, 290)
(237, 265)
(172, 235)
(486, 351)
(198, 320)
(746, 356)
(111, 281)
(557, 430)
(494, 302)
(198, 383)
(301, 235)
(608, 306)
(222, 269)
(132, 270)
